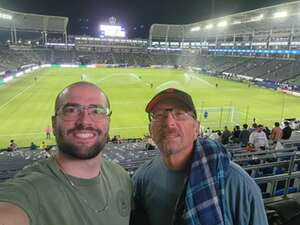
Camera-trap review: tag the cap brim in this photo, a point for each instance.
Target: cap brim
(159, 98)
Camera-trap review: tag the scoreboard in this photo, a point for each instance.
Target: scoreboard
(112, 31)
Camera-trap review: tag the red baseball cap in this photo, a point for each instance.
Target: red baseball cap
(172, 93)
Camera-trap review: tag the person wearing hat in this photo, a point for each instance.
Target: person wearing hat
(286, 131)
(192, 181)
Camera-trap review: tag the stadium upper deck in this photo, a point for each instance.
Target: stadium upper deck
(18, 22)
(275, 27)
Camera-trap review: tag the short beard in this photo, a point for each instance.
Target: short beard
(74, 151)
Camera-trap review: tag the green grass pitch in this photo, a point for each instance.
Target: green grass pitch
(26, 105)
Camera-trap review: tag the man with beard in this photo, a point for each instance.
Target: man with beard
(77, 186)
(192, 181)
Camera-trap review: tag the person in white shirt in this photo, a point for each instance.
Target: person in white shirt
(258, 139)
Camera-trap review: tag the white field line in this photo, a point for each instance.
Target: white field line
(21, 134)
(17, 95)
(203, 81)
(120, 75)
(13, 98)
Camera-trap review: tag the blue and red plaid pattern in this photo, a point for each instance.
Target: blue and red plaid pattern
(204, 191)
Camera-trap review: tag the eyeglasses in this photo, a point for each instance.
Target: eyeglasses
(72, 112)
(177, 114)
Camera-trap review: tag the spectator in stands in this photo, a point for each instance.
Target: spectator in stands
(276, 134)
(194, 172)
(286, 131)
(116, 139)
(12, 146)
(33, 146)
(77, 186)
(150, 145)
(216, 135)
(258, 139)
(253, 128)
(235, 134)
(244, 136)
(207, 132)
(225, 136)
(43, 146)
(267, 132)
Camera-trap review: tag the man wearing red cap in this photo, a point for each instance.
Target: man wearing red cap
(192, 181)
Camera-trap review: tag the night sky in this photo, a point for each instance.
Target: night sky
(135, 15)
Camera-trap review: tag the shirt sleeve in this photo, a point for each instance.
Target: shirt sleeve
(251, 138)
(138, 214)
(244, 198)
(21, 193)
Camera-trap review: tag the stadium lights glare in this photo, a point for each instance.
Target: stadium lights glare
(194, 29)
(5, 16)
(257, 18)
(222, 24)
(280, 14)
(208, 26)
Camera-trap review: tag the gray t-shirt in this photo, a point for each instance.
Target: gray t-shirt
(50, 197)
(156, 189)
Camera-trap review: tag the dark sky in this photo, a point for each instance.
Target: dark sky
(135, 15)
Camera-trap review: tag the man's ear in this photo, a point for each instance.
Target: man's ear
(197, 129)
(149, 128)
(53, 118)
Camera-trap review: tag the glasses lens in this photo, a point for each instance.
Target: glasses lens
(98, 113)
(177, 114)
(73, 112)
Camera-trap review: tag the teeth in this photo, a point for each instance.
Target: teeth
(84, 135)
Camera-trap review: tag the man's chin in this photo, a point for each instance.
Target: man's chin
(170, 148)
(83, 152)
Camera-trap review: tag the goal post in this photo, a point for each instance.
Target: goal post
(218, 117)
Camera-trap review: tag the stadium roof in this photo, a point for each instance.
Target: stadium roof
(27, 22)
(282, 17)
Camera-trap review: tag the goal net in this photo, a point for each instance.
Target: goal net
(218, 117)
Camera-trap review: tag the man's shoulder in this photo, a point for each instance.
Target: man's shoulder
(237, 177)
(149, 167)
(35, 174)
(209, 144)
(112, 165)
(114, 169)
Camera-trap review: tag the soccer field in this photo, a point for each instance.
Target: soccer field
(26, 104)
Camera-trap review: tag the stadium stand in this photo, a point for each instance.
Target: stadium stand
(276, 172)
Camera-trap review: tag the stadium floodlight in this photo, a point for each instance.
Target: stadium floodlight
(236, 22)
(280, 14)
(257, 18)
(209, 26)
(222, 24)
(5, 16)
(194, 29)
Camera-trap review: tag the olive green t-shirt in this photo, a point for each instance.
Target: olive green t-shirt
(50, 197)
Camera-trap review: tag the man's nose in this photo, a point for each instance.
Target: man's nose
(84, 117)
(169, 119)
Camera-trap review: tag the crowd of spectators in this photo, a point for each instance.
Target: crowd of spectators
(255, 138)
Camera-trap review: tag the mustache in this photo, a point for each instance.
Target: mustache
(81, 128)
(166, 131)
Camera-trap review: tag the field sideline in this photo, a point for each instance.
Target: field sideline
(26, 104)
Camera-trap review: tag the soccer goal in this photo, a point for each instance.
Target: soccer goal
(218, 117)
